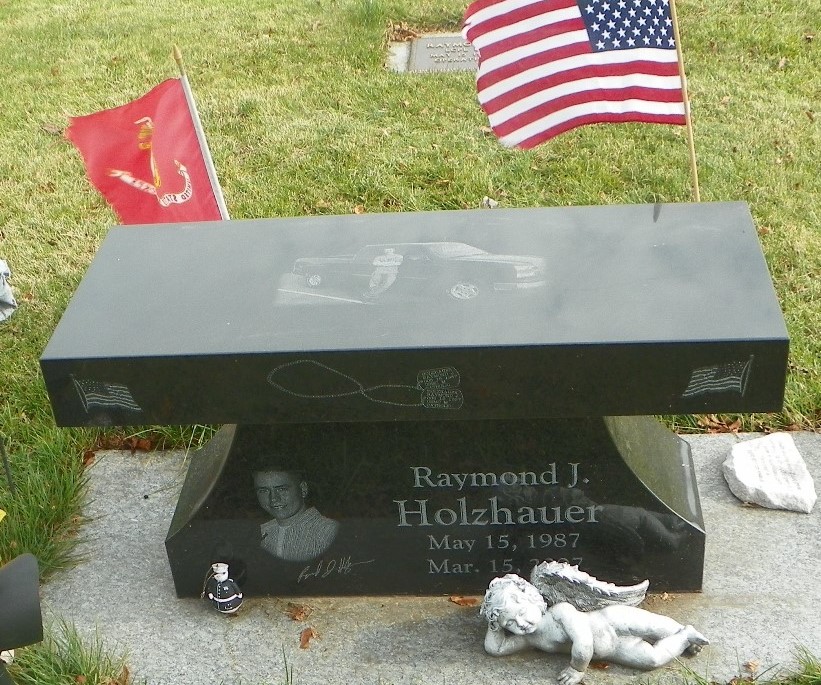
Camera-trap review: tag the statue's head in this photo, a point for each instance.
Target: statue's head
(513, 604)
(220, 571)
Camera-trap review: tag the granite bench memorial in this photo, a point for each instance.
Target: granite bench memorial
(418, 402)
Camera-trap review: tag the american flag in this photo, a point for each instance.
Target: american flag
(547, 66)
(101, 395)
(730, 377)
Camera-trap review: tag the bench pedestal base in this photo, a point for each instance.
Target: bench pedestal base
(440, 507)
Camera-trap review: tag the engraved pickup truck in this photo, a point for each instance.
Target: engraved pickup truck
(455, 270)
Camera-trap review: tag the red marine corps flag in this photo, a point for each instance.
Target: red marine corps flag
(547, 66)
(149, 159)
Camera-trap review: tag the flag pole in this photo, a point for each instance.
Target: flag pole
(687, 119)
(206, 153)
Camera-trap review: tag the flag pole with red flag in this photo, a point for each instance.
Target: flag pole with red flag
(206, 152)
(148, 159)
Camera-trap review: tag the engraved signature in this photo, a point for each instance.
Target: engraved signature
(322, 569)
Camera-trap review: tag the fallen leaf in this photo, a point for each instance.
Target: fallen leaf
(306, 636)
(121, 679)
(359, 209)
(810, 115)
(486, 130)
(782, 63)
(751, 666)
(298, 612)
(52, 129)
(464, 601)
(80, 679)
(136, 444)
(713, 424)
(401, 32)
(808, 37)
(88, 457)
(599, 665)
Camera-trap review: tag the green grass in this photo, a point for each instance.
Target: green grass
(805, 671)
(65, 658)
(808, 671)
(302, 118)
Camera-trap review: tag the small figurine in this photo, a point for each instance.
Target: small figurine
(223, 592)
(607, 629)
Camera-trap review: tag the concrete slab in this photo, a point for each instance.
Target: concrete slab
(760, 600)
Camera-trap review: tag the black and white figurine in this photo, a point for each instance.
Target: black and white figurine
(222, 592)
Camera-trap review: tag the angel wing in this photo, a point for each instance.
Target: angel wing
(560, 582)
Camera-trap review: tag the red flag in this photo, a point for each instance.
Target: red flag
(145, 158)
(547, 66)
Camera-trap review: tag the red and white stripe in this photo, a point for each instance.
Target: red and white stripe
(538, 75)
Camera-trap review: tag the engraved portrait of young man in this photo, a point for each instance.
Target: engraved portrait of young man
(297, 532)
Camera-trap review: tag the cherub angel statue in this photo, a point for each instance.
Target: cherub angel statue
(566, 610)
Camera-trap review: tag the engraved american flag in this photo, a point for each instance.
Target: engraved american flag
(101, 395)
(730, 377)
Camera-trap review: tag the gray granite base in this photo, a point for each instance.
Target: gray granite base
(761, 599)
(432, 52)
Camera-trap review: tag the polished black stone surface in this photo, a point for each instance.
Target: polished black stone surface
(418, 397)
(439, 507)
(492, 314)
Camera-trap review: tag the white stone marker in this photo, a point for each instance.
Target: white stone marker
(770, 472)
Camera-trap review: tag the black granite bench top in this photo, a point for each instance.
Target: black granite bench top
(525, 312)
